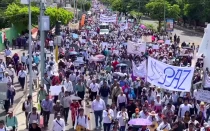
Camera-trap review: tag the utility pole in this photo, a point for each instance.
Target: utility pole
(30, 48)
(139, 10)
(74, 11)
(42, 41)
(164, 17)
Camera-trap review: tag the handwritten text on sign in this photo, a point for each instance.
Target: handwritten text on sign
(203, 95)
(169, 77)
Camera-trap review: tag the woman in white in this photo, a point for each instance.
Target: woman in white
(122, 116)
(158, 104)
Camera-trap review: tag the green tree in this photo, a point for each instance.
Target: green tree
(60, 14)
(156, 9)
(18, 14)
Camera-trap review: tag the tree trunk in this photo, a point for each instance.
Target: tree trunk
(159, 25)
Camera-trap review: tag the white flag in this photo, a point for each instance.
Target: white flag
(141, 70)
(206, 81)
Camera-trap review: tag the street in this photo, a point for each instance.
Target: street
(185, 36)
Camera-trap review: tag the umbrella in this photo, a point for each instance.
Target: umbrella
(160, 41)
(140, 122)
(100, 56)
(73, 97)
(73, 53)
(143, 26)
(119, 74)
(121, 65)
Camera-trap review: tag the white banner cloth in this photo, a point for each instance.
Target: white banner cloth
(141, 70)
(169, 77)
(136, 48)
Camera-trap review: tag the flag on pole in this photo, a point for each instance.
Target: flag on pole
(206, 80)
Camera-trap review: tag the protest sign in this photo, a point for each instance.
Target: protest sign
(55, 90)
(156, 47)
(168, 42)
(203, 95)
(169, 77)
(108, 19)
(139, 71)
(135, 48)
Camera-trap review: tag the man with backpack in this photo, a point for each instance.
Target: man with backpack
(26, 107)
(33, 116)
(11, 121)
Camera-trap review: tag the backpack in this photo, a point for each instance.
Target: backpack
(23, 106)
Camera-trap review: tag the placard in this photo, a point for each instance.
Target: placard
(203, 95)
(55, 90)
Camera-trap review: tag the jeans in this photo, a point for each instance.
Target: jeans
(66, 113)
(98, 114)
(105, 100)
(46, 116)
(122, 128)
(26, 115)
(107, 126)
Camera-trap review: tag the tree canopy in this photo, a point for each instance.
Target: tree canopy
(18, 14)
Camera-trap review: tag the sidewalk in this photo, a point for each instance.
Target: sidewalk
(21, 115)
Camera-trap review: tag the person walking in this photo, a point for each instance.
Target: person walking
(98, 105)
(22, 77)
(104, 92)
(108, 116)
(41, 96)
(10, 93)
(11, 120)
(47, 106)
(26, 107)
(33, 116)
(58, 123)
(66, 101)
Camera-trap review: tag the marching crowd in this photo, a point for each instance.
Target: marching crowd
(104, 73)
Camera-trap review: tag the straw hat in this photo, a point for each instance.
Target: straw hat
(202, 103)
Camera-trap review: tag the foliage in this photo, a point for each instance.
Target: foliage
(118, 5)
(59, 14)
(156, 9)
(136, 14)
(83, 5)
(18, 14)
(150, 26)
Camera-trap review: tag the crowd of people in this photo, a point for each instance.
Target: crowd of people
(90, 73)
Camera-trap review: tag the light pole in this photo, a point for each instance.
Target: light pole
(164, 15)
(30, 48)
(42, 41)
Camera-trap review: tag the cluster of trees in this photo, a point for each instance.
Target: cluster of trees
(193, 12)
(17, 14)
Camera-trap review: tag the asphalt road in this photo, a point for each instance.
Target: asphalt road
(185, 34)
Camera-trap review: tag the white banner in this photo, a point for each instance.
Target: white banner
(169, 77)
(123, 26)
(206, 81)
(108, 19)
(203, 95)
(135, 48)
(140, 70)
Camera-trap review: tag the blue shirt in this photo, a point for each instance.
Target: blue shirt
(47, 105)
(122, 83)
(36, 59)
